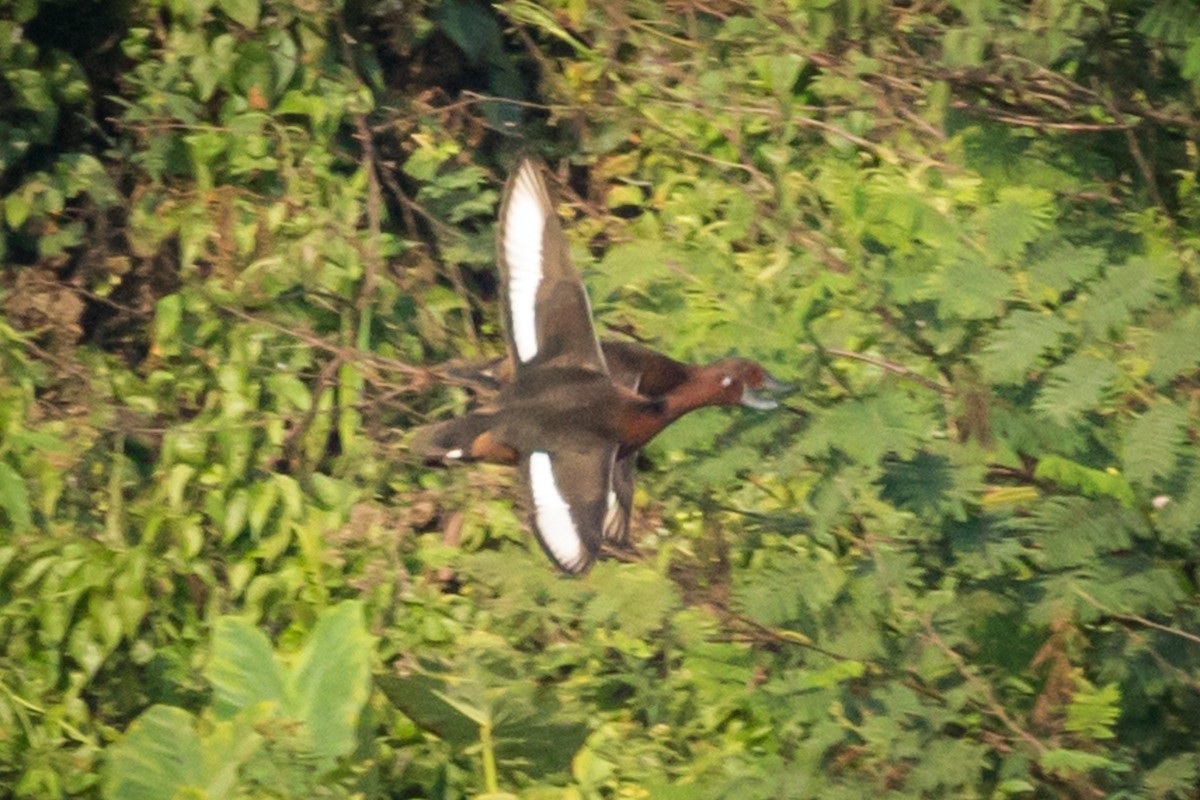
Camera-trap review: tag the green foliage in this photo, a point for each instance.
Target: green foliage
(268, 722)
(238, 235)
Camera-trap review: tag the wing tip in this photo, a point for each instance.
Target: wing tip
(529, 178)
(553, 522)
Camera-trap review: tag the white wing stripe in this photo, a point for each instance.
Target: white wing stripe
(554, 522)
(523, 228)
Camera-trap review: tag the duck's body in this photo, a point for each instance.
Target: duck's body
(571, 414)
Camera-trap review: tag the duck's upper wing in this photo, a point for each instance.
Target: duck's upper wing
(645, 371)
(546, 309)
(569, 493)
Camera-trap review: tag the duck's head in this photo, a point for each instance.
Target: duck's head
(740, 382)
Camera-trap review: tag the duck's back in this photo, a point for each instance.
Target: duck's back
(556, 407)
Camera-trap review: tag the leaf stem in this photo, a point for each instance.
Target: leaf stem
(490, 782)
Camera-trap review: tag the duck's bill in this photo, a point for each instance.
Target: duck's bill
(754, 398)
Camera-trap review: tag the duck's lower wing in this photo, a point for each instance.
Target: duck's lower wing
(620, 502)
(568, 493)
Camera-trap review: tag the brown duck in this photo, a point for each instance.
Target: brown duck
(572, 414)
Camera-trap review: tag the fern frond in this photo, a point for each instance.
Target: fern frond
(1153, 442)
(1062, 268)
(1075, 531)
(1173, 350)
(1020, 214)
(1074, 387)
(969, 290)
(1126, 288)
(1014, 349)
(790, 587)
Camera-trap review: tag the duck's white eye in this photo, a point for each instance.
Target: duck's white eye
(726, 380)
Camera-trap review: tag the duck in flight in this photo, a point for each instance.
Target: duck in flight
(573, 413)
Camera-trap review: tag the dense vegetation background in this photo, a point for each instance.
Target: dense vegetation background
(240, 236)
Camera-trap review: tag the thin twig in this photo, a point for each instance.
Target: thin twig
(897, 369)
(1148, 623)
(993, 706)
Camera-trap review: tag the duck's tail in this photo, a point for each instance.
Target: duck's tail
(462, 439)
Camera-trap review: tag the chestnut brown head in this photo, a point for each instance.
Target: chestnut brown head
(739, 382)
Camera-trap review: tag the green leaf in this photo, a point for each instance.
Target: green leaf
(243, 669)
(1179, 521)
(871, 428)
(471, 27)
(970, 290)
(1073, 762)
(422, 697)
(1153, 443)
(1092, 482)
(14, 498)
(168, 314)
(532, 728)
(330, 681)
(1108, 305)
(1063, 268)
(525, 12)
(159, 755)
(1018, 217)
(1074, 531)
(788, 586)
(632, 597)
(162, 757)
(1075, 387)
(1172, 350)
(236, 508)
(1016, 348)
(629, 264)
(243, 12)
(18, 207)
(1173, 777)
(1093, 712)
(779, 72)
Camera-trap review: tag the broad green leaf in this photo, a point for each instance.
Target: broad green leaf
(243, 12)
(421, 696)
(168, 315)
(330, 680)
(160, 756)
(243, 669)
(1092, 482)
(533, 728)
(472, 28)
(236, 508)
